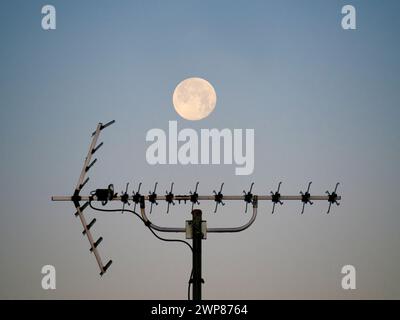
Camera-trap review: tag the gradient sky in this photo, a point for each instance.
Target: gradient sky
(324, 104)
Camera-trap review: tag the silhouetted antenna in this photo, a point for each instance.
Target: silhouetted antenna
(170, 197)
(218, 198)
(305, 197)
(333, 197)
(194, 197)
(276, 197)
(196, 228)
(125, 197)
(153, 197)
(248, 197)
(136, 196)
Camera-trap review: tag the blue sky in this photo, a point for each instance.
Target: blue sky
(324, 104)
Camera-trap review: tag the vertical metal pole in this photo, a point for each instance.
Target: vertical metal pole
(197, 238)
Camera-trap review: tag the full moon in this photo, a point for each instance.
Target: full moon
(194, 98)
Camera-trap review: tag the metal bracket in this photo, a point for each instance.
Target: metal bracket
(189, 229)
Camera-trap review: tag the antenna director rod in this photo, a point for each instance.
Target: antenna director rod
(204, 198)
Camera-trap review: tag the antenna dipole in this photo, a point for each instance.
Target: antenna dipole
(196, 228)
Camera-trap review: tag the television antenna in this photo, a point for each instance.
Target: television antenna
(195, 229)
